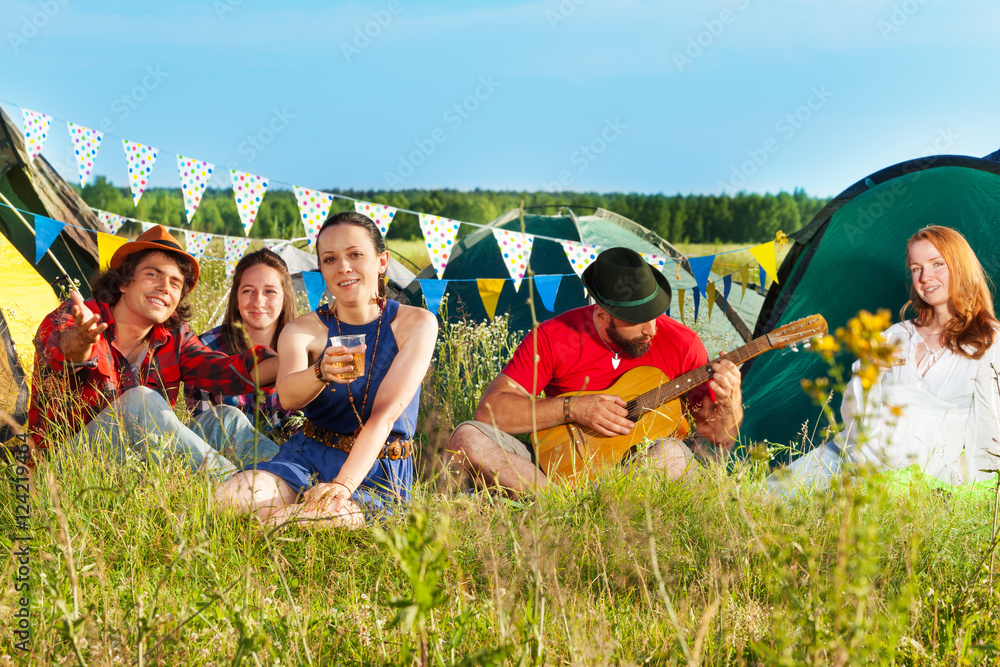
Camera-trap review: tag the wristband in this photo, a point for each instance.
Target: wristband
(566, 417)
(318, 370)
(349, 492)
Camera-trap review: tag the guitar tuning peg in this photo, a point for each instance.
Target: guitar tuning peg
(807, 345)
(794, 347)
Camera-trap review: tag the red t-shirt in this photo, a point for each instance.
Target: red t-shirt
(571, 356)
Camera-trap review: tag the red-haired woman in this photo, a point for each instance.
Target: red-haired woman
(939, 408)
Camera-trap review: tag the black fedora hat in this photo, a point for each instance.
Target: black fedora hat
(623, 284)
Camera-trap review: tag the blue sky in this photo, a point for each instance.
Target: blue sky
(584, 95)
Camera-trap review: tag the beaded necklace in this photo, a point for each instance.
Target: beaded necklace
(350, 394)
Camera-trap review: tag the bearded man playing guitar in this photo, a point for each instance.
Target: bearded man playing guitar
(587, 350)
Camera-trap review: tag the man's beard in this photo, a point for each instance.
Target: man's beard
(634, 347)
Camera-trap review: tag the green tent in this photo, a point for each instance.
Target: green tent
(477, 255)
(851, 257)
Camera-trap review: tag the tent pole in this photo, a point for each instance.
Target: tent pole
(32, 230)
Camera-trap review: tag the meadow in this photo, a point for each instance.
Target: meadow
(129, 564)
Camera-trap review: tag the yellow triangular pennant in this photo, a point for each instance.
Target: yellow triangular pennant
(744, 277)
(106, 246)
(768, 258)
(680, 303)
(710, 295)
(489, 292)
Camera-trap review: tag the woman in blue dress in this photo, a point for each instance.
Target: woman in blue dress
(354, 456)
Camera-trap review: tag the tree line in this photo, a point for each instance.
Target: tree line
(740, 218)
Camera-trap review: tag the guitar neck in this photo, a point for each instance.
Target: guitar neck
(699, 376)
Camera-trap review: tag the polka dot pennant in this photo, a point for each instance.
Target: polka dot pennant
(516, 250)
(146, 226)
(36, 131)
(235, 249)
(314, 207)
(380, 213)
(86, 143)
(196, 243)
(112, 221)
(439, 235)
(140, 161)
(657, 261)
(248, 190)
(580, 255)
(194, 178)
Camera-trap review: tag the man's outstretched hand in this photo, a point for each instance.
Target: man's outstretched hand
(87, 329)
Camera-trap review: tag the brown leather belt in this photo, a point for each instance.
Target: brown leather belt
(393, 450)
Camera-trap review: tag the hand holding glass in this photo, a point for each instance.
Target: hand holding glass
(355, 345)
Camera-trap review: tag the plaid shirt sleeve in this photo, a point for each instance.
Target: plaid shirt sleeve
(217, 372)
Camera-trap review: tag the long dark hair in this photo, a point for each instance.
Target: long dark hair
(974, 324)
(107, 287)
(234, 337)
(355, 218)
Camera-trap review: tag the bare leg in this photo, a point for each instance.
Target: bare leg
(490, 465)
(255, 492)
(668, 455)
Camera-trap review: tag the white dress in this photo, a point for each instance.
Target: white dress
(949, 412)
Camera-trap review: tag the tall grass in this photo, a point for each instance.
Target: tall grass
(131, 565)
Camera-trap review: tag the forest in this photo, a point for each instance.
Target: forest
(740, 218)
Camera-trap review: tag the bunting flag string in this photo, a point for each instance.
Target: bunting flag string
(46, 231)
(107, 244)
(433, 291)
(196, 243)
(380, 213)
(701, 267)
(656, 261)
(710, 297)
(86, 143)
(194, 179)
(112, 221)
(580, 255)
(248, 190)
(439, 235)
(516, 250)
(140, 160)
(489, 292)
(766, 257)
(235, 249)
(36, 131)
(548, 288)
(315, 287)
(314, 207)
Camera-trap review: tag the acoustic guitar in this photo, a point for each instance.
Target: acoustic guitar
(653, 403)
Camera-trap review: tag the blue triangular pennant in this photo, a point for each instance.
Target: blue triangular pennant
(727, 284)
(46, 231)
(763, 279)
(433, 293)
(697, 302)
(700, 268)
(315, 286)
(548, 287)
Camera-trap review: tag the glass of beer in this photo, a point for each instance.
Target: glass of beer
(355, 345)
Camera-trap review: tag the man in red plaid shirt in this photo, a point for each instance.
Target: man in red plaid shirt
(108, 370)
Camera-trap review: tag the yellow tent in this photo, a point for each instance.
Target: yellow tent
(25, 298)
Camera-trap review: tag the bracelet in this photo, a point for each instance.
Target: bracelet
(318, 370)
(349, 492)
(566, 417)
